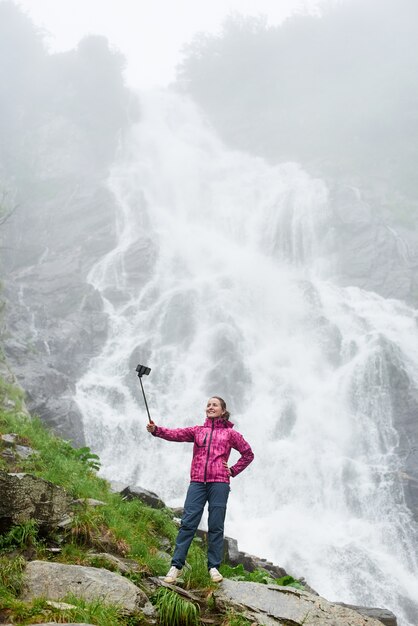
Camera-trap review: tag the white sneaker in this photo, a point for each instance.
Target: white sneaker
(172, 574)
(215, 575)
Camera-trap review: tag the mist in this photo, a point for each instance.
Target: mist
(336, 92)
(248, 230)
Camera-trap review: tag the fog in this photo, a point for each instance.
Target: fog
(335, 90)
(338, 92)
(229, 194)
(149, 34)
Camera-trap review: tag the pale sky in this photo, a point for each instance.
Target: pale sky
(150, 33)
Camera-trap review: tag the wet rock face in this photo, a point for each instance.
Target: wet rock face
(54, 319)
(387, 372)
(369, 253)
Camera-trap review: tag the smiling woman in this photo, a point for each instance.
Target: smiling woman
(149, 34)
(210, 476)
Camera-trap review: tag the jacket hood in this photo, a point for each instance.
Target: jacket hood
(219, 422)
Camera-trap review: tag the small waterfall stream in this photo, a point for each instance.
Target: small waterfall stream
(221, 282)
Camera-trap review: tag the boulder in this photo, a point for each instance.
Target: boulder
(54, 581)
(24, 497)
(271, 605)
(147, 497)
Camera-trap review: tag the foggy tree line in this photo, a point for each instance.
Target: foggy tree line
(338, 93)
(82, 88)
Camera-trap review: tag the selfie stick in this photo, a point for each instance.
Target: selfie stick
(142, 370)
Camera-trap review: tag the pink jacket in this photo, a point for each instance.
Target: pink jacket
(212, 445)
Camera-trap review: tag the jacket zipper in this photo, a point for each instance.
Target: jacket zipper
(208, 452)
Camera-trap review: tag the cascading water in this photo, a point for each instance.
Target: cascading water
(220, 282)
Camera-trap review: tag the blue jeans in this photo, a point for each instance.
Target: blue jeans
(216, 494)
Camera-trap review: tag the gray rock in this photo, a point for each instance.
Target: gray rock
(404, 398)
(147, 497)
(382, 615)
(13, 449)
(9, 439)
(124, 566)
(235, 557)
(89, 502)
(55, 320)
(165, 556)
(231, 552)
(8, 454)
(24, 452)
(370, 253)
(178, 511)
(165, 543)
(270, 605)
(252, 563)
(66, 521)
(56, 580)
(24, 497)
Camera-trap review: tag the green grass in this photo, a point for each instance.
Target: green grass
(258, 576)
(21, 536)
(11, 572)
(232, 618)
(195, 574)
(125, 528)
(39, 611)
(10, 394)
(173, 610)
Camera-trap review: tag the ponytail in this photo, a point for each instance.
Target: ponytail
(226, 414)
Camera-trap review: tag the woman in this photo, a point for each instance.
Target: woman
(210, 476)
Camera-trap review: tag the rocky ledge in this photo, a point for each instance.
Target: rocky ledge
(25, 497)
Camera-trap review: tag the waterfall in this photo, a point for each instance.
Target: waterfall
(221, 282)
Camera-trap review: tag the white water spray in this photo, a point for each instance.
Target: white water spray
(219, 283)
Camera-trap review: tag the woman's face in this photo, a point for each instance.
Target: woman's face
(214, 408)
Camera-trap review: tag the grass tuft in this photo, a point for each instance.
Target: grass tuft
(195, 574)
(258, 576)
(174, 610)
(22, 536)
(11, 575)
(235, 619)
